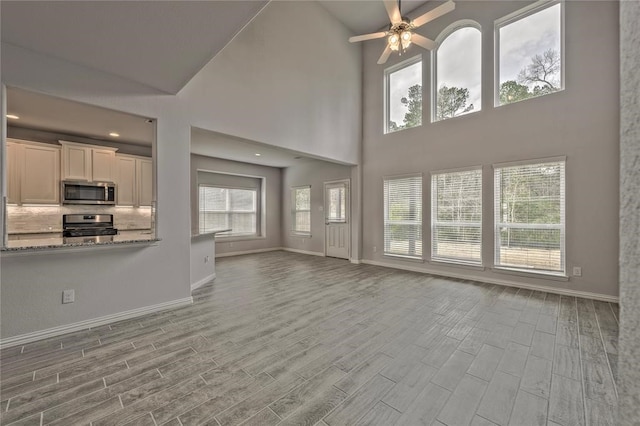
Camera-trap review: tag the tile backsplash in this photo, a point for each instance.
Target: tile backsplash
(28, 219)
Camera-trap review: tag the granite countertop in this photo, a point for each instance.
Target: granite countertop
(210, 233)
(39, 244)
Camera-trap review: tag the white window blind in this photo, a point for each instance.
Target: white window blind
(301, 211)
(403, 216)
(530, 217)
(223, 208)
(456, 216)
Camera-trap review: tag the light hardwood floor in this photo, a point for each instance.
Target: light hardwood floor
(282, 338)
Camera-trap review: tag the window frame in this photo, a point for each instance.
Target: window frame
(497, 201)
(515, 16)
(295, 231)
(434, 205)
(458, 25)
(387, 90)
(256, 212)
(385, 214)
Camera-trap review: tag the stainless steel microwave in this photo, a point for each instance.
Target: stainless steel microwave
(79, 192)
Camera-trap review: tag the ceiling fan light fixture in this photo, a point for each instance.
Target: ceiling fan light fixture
(405, 38)
(394, 42)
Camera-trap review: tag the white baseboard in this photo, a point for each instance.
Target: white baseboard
(95, 322)
(356, 261)
(240, 253)
(311, 253)
(506, 283)
(203, 281)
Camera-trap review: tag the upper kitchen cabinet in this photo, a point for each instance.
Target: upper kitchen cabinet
(33, 173)
(87, 162)
(145, 179)
(134, 180)
(13, 173)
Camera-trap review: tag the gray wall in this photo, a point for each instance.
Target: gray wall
(580, 122)
(299, 92)
(314, 173)
(289, 79)
(272, 202)
(629, 370)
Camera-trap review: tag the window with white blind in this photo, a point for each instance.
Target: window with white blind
(224, 208)
(530, 216)
(403, 216)
(301, 210)
(456, 216)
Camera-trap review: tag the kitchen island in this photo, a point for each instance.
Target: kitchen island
(203, 253)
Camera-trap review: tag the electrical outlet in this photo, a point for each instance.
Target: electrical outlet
(577, 271)
(375, 249)
(68, 296)
(206, 259)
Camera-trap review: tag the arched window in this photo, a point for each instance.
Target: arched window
(457, 71)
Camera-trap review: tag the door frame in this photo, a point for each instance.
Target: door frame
(347, 182)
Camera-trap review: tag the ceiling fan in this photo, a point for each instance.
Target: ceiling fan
(400, 33)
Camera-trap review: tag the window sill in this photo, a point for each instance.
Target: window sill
(401, 257)
(234, 238)
(555, 276)
(300, 234)
(457, 264)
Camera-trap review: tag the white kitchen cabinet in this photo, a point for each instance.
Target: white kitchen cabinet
(33, 172)
(126, 187)
(103, 161)
(134, 180)
(90, 163)
(13, 173)
(145, 182)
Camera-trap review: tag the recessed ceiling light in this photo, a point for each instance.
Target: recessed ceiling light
(114, 134)
(13, 116)
(258, 155)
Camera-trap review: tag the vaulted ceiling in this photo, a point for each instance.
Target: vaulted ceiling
(161, 44)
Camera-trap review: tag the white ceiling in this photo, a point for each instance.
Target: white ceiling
(43, 112)
(365, 16)
(219, 145)
(161, 44)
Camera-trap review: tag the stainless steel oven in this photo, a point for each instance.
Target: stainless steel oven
(79, 192)
(88, 228)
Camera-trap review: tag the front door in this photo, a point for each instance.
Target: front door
(337, 226)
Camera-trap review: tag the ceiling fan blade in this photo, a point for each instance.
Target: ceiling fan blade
(423, 41)
(393, 11)
(364, 37)
(385, 55)
(434, 13)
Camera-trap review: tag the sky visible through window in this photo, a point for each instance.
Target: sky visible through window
(527, 37)
(399, 83)
(459, 64)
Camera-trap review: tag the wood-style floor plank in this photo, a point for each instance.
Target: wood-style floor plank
(282, 339)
